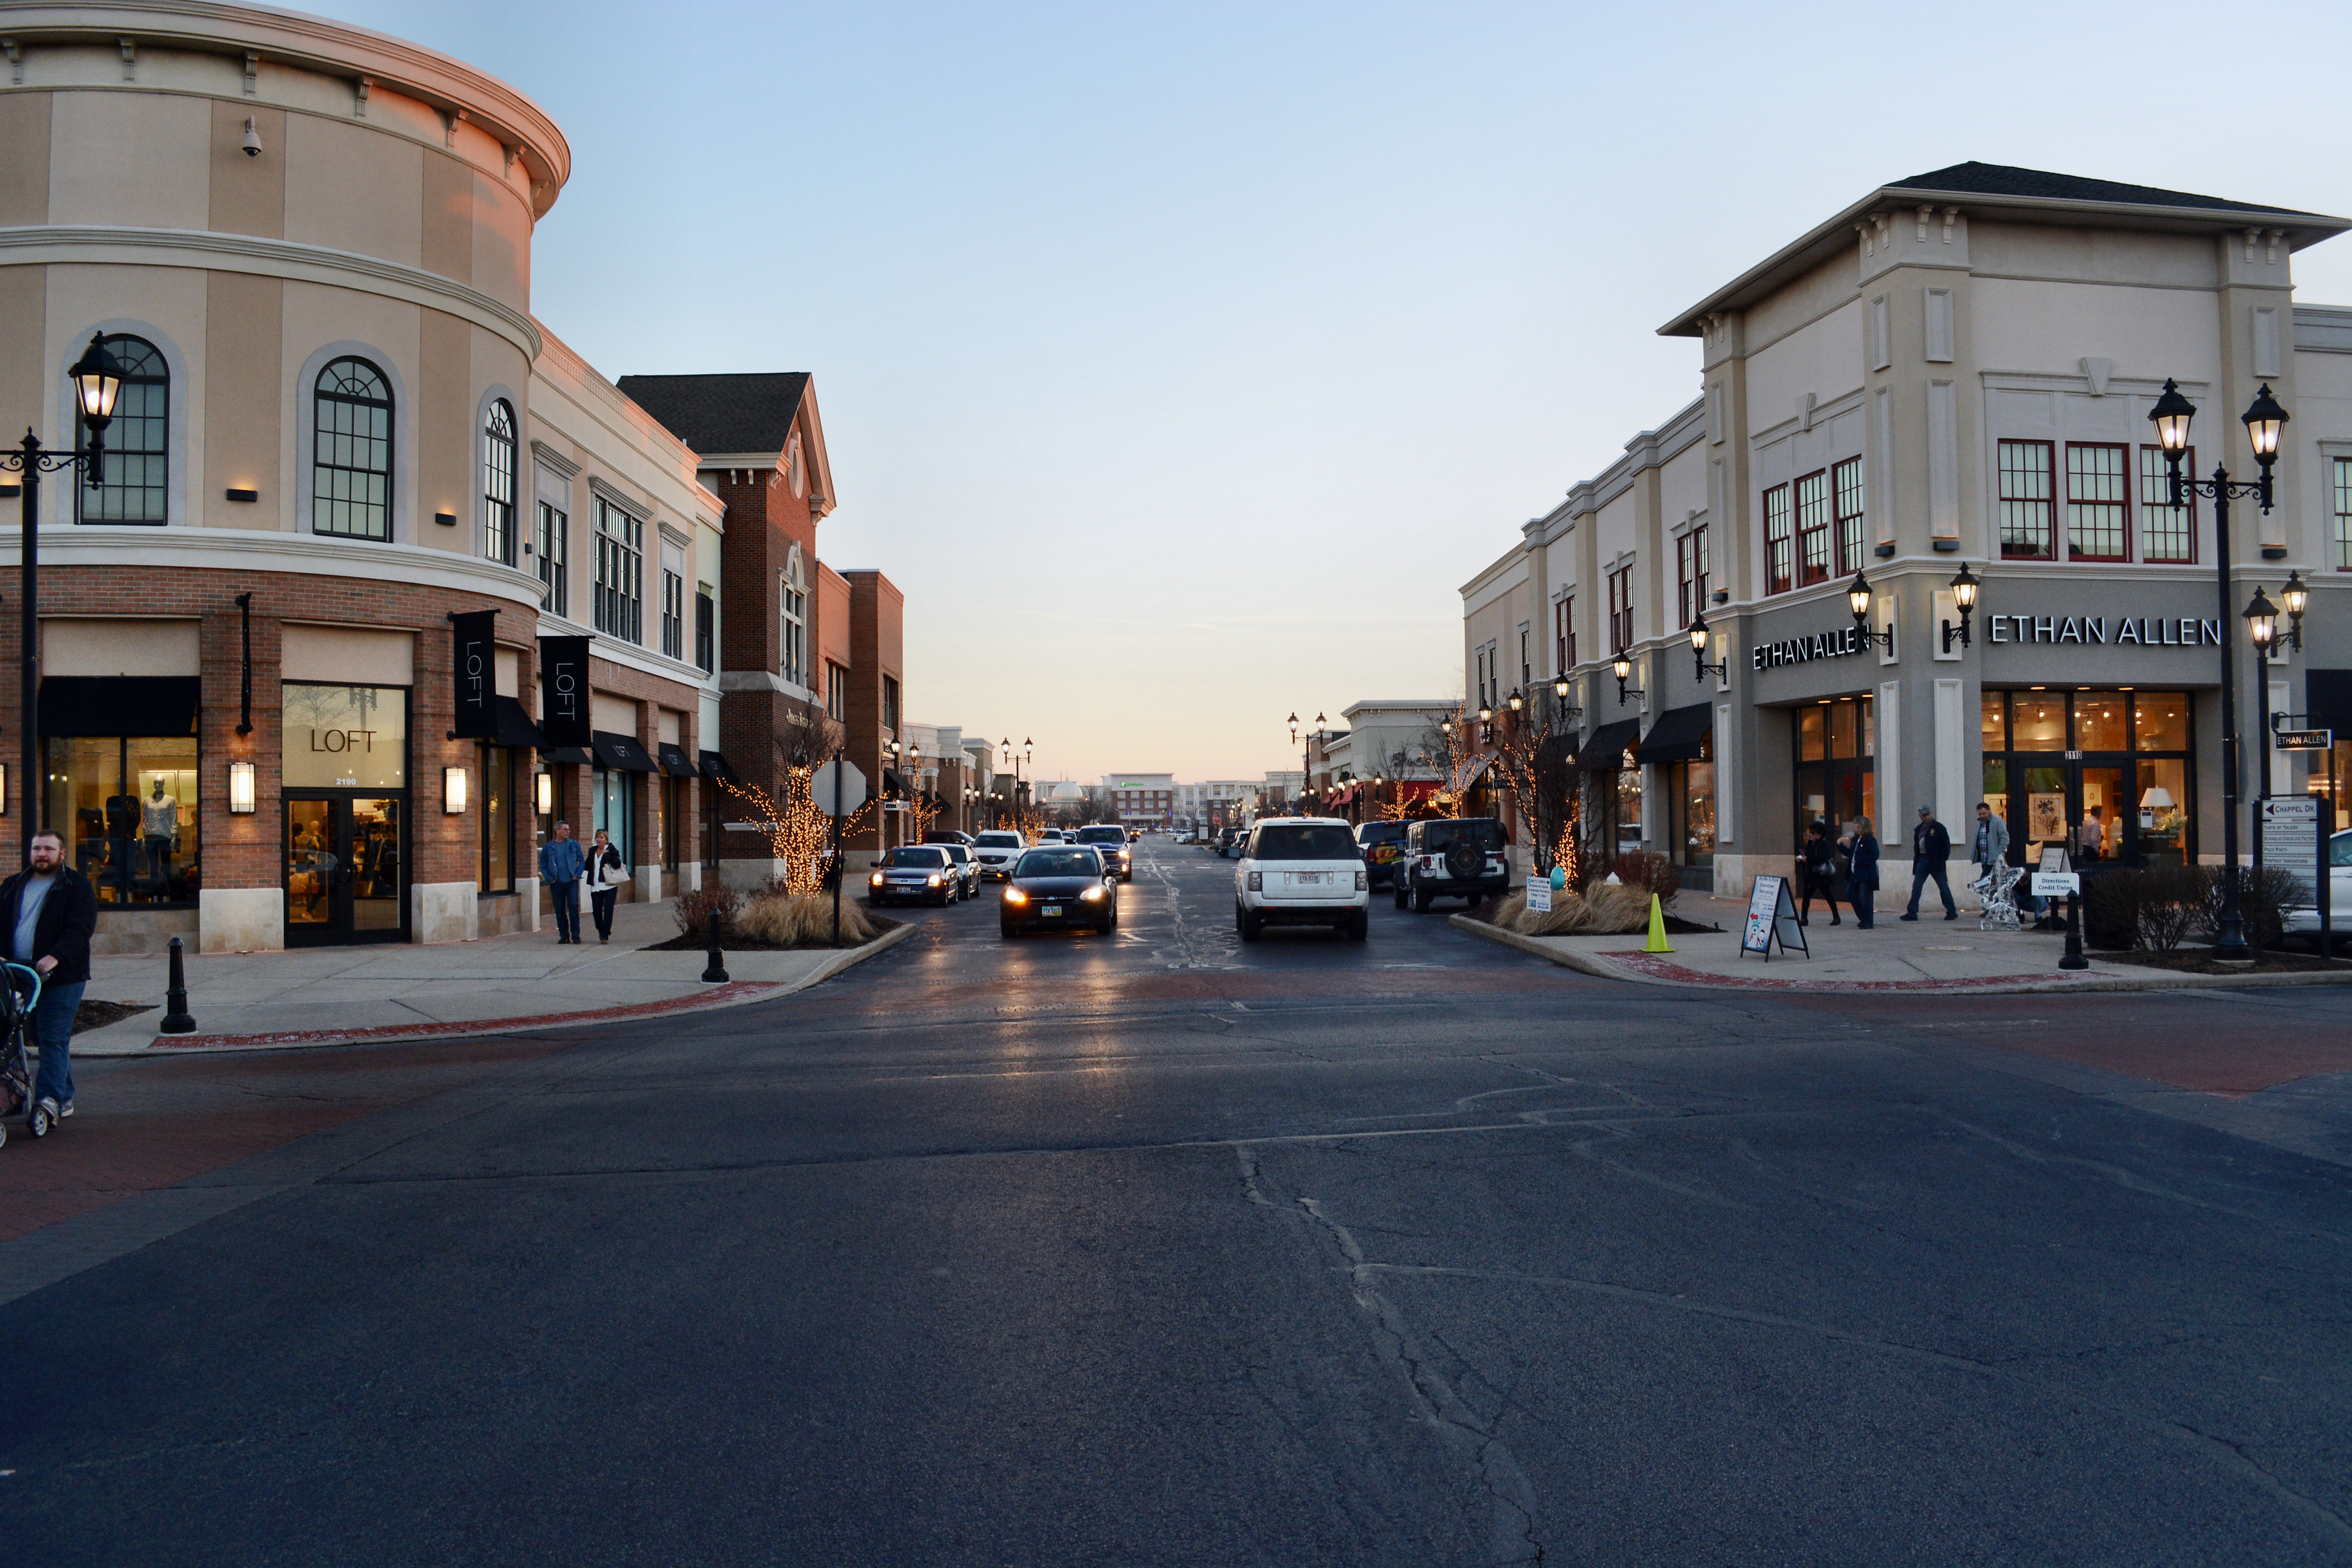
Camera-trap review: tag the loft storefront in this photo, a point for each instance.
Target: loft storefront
(345, 813)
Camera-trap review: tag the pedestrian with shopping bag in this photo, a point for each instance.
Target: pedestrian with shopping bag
(1862, 879)
(49, 913)
(1931, 853)
(560, 864)
(605, 874)
(1819, 857)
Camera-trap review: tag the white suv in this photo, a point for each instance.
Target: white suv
(1302, 870)
(996, 849)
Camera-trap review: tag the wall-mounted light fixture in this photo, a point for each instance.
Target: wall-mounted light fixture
(453, 789)
(1964, 599)
(545, 785)
(4, 789)
(240, 789)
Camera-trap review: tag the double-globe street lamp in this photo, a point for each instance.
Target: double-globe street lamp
(2262, 630)
(97, 379)
(2264, 421)
(1304, 773)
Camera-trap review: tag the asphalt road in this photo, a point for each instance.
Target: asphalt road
(1161, 1249)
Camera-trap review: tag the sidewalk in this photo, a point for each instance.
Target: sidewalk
(1929, 955)
(341, 995)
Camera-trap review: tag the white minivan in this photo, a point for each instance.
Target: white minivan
(1302, 870)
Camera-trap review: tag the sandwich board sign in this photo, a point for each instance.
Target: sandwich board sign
(1539, 895)
(1772, 913)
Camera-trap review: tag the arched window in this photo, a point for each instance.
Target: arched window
(138, 444)
(350, 485)
(499, 484)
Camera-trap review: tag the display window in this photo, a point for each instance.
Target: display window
(1690, 795)
(2105, 773)
(497, 768)
(127, 808)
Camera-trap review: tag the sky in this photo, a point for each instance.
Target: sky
(1181, 363)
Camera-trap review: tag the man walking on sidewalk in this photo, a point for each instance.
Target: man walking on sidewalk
(1931, 846)
(560, 862)
(49, 913)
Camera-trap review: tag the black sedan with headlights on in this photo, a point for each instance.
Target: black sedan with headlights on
(1058, 886)
(914, 871)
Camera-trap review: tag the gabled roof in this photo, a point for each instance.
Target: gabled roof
(2018, 196)
(748, 411)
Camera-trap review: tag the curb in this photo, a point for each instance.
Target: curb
(1600, 967)
(734, 994)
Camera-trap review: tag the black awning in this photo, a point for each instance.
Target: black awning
(674, 761)
(1605, 752)
(119, 704)
(892, 784)
(619, 752)
(1680, 735)
(714, 766)
(576, 754)
(513, 726)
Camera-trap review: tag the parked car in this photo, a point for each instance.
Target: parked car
(1302, 870)
(1454, 857)
(996, 849)
(918, 872)
(1055, 886)
(967, 870)
(2304, 920)
(1225, 841)
(1118, 860)
(1383, 843)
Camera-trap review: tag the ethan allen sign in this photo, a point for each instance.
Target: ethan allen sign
(2142, 631)
(1804, 650)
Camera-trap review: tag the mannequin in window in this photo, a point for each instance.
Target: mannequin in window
(159, 827)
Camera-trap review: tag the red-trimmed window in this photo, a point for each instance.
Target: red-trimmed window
(1778, 558)
(1563, 635)
(2165, 532)
(1620, 610)
(1814, 527)
(2097, 501)
(1845, 490)
(1690, 574)
(2026, 511)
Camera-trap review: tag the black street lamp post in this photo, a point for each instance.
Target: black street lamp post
(97, 379)
(2262, 630)
(2264, 420)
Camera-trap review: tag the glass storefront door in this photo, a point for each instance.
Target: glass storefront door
(2104, 771)
(346, 868)
(1836, 744)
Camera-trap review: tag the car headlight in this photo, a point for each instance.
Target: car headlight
(1015, 896)
(1094, 895)
(875, 879)
(934, 879)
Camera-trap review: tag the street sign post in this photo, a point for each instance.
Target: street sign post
(840, 782)
(1539, 895)
(2291, 832)
(2304, 740)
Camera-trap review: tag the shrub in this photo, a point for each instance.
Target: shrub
(2174, 905)
(2112, 902)
(2263, 897)
(713, 905)
(802, 919)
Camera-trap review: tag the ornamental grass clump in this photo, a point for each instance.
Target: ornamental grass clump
(1604, 909)
(802, 919)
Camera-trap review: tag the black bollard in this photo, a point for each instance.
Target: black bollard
(717, 972)
(2074, 958)
(176, 1020)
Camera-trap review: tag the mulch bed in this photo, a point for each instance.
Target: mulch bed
(2200, 961)
(745, 944)
(94, 1015)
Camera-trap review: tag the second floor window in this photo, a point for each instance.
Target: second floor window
(133, 477)
(2341, 506)
(705, 629)
(2168, 532)
(792, 644)
(1845, 488)
(2026, 502)
(1526, 669)
(1690, 574)
(1563, 634)
(2095, 506)
(1780, 555)
(620, 597)
(890, 703)
(499, 484)
(1814, 528)
(673, 613)
(837, 692)
(554, 555)
(1620, 610)
(351, 484)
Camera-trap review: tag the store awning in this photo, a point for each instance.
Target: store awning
(1467, 774)
(575, 754)
(1412, 789)
(714, 766)
(619, 752)
(1346, 796)
(512, 725)
(1680, 735)
(674, 761)
(1605, 751)
(892, 784)
(119, 704)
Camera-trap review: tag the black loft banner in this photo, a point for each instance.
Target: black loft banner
(563, 692)
(475, 659)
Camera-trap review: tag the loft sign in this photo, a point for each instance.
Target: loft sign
(1804, 650)
(2143, 631)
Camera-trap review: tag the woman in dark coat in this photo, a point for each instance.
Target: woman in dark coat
(1819, 876)
(1861, 881)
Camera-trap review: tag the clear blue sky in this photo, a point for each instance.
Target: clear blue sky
(1181, 363)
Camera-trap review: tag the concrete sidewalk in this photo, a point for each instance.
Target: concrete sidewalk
(396, 992)
(1929, 955)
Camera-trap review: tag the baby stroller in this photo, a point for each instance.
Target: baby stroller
(17, 1000)
(1998, 887)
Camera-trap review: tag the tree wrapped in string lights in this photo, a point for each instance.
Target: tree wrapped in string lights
(798, 833)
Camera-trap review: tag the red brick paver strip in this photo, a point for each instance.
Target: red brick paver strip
(1658, 968)
(724, 995)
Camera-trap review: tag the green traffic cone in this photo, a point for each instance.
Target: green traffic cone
(1658, 942)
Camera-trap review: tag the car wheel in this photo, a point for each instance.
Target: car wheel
(1246, 923)
(1360, 926)
(1007, 930)
(1401, 894)
(1421, 899)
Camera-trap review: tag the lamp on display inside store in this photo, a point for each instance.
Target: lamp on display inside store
(1964, 599)
(2153, 799)
(240, 789)
(453, 791)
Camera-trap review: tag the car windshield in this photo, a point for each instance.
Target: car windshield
(926, 859)
(1304, 843)
(1000, 841)
(1101, 834)
(1059, 863)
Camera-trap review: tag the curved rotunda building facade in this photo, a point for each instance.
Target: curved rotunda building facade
(310, 247)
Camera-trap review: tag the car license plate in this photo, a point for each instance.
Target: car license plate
(1307, 879)
(1053, 910)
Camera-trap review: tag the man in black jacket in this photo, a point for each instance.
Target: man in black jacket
(1931, 846)
(47, 913)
